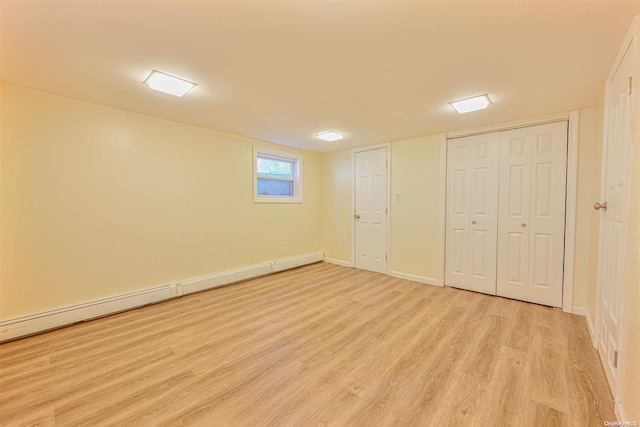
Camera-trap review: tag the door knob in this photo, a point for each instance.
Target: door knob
(356, 216)
(523, 225)
(597, 206)
(473, 222)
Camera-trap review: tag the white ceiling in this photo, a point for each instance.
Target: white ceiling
(282, 71)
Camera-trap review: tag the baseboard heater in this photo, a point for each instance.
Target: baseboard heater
(42, 322)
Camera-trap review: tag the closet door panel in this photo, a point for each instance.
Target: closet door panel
(513, 240)
(547, 219)
(472, 204)
(531, 213)
(457, 232)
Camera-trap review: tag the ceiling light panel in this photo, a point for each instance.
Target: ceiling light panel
(168, 84)
(471, 104)
(330, 136)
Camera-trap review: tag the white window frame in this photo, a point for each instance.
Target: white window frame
(297, 175)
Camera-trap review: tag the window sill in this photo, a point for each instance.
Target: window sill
(267, 199)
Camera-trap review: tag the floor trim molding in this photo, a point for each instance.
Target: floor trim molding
(53, 319)
(42, 322)
(582, 311)
(225, 278)
(620, 412)
(338, 262)
(415, 278)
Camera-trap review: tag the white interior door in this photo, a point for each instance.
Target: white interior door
(533, 176)
(614, 220)
(472, 204)
(371, 210)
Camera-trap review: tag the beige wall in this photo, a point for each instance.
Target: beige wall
(336, 212)
(98, 202)
(415, 221)
(587, 218)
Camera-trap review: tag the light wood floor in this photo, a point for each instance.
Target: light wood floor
(320, 345)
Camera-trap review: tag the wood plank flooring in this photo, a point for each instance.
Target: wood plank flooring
(321, 345)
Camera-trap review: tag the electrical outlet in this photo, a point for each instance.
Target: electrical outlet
(334, 238)
(397, 197)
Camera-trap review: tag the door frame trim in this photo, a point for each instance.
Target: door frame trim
(387, 147)
(442, 249)
(571, 200)
(571, 204)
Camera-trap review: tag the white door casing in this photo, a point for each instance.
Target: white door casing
(370, 209)
(614, 219)
(472, 202)
(531, 218)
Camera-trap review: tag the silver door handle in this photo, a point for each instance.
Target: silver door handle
(597, 206)
(356, 216)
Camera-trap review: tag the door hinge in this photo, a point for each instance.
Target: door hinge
(386, 211)
(615, 359)
(630, 84)
(386, 258)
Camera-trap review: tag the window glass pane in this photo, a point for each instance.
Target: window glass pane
(273, 167)
(274, 187)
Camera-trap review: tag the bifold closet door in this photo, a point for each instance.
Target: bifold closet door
(533, 170)
(472, 212)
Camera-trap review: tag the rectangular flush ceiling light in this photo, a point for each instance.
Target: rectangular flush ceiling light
(471, 104)
(168, 84)
(330, 136)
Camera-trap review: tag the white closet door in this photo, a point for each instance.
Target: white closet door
(472, 205)
(533, 165)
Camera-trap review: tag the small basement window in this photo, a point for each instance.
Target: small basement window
(277, 176)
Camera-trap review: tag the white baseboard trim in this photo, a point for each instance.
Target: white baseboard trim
(582, 311)
(298, 261)
(225, 278)
(337, 262)
(621, 414)
(45, 321)
(415, 278)
(41, 322)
